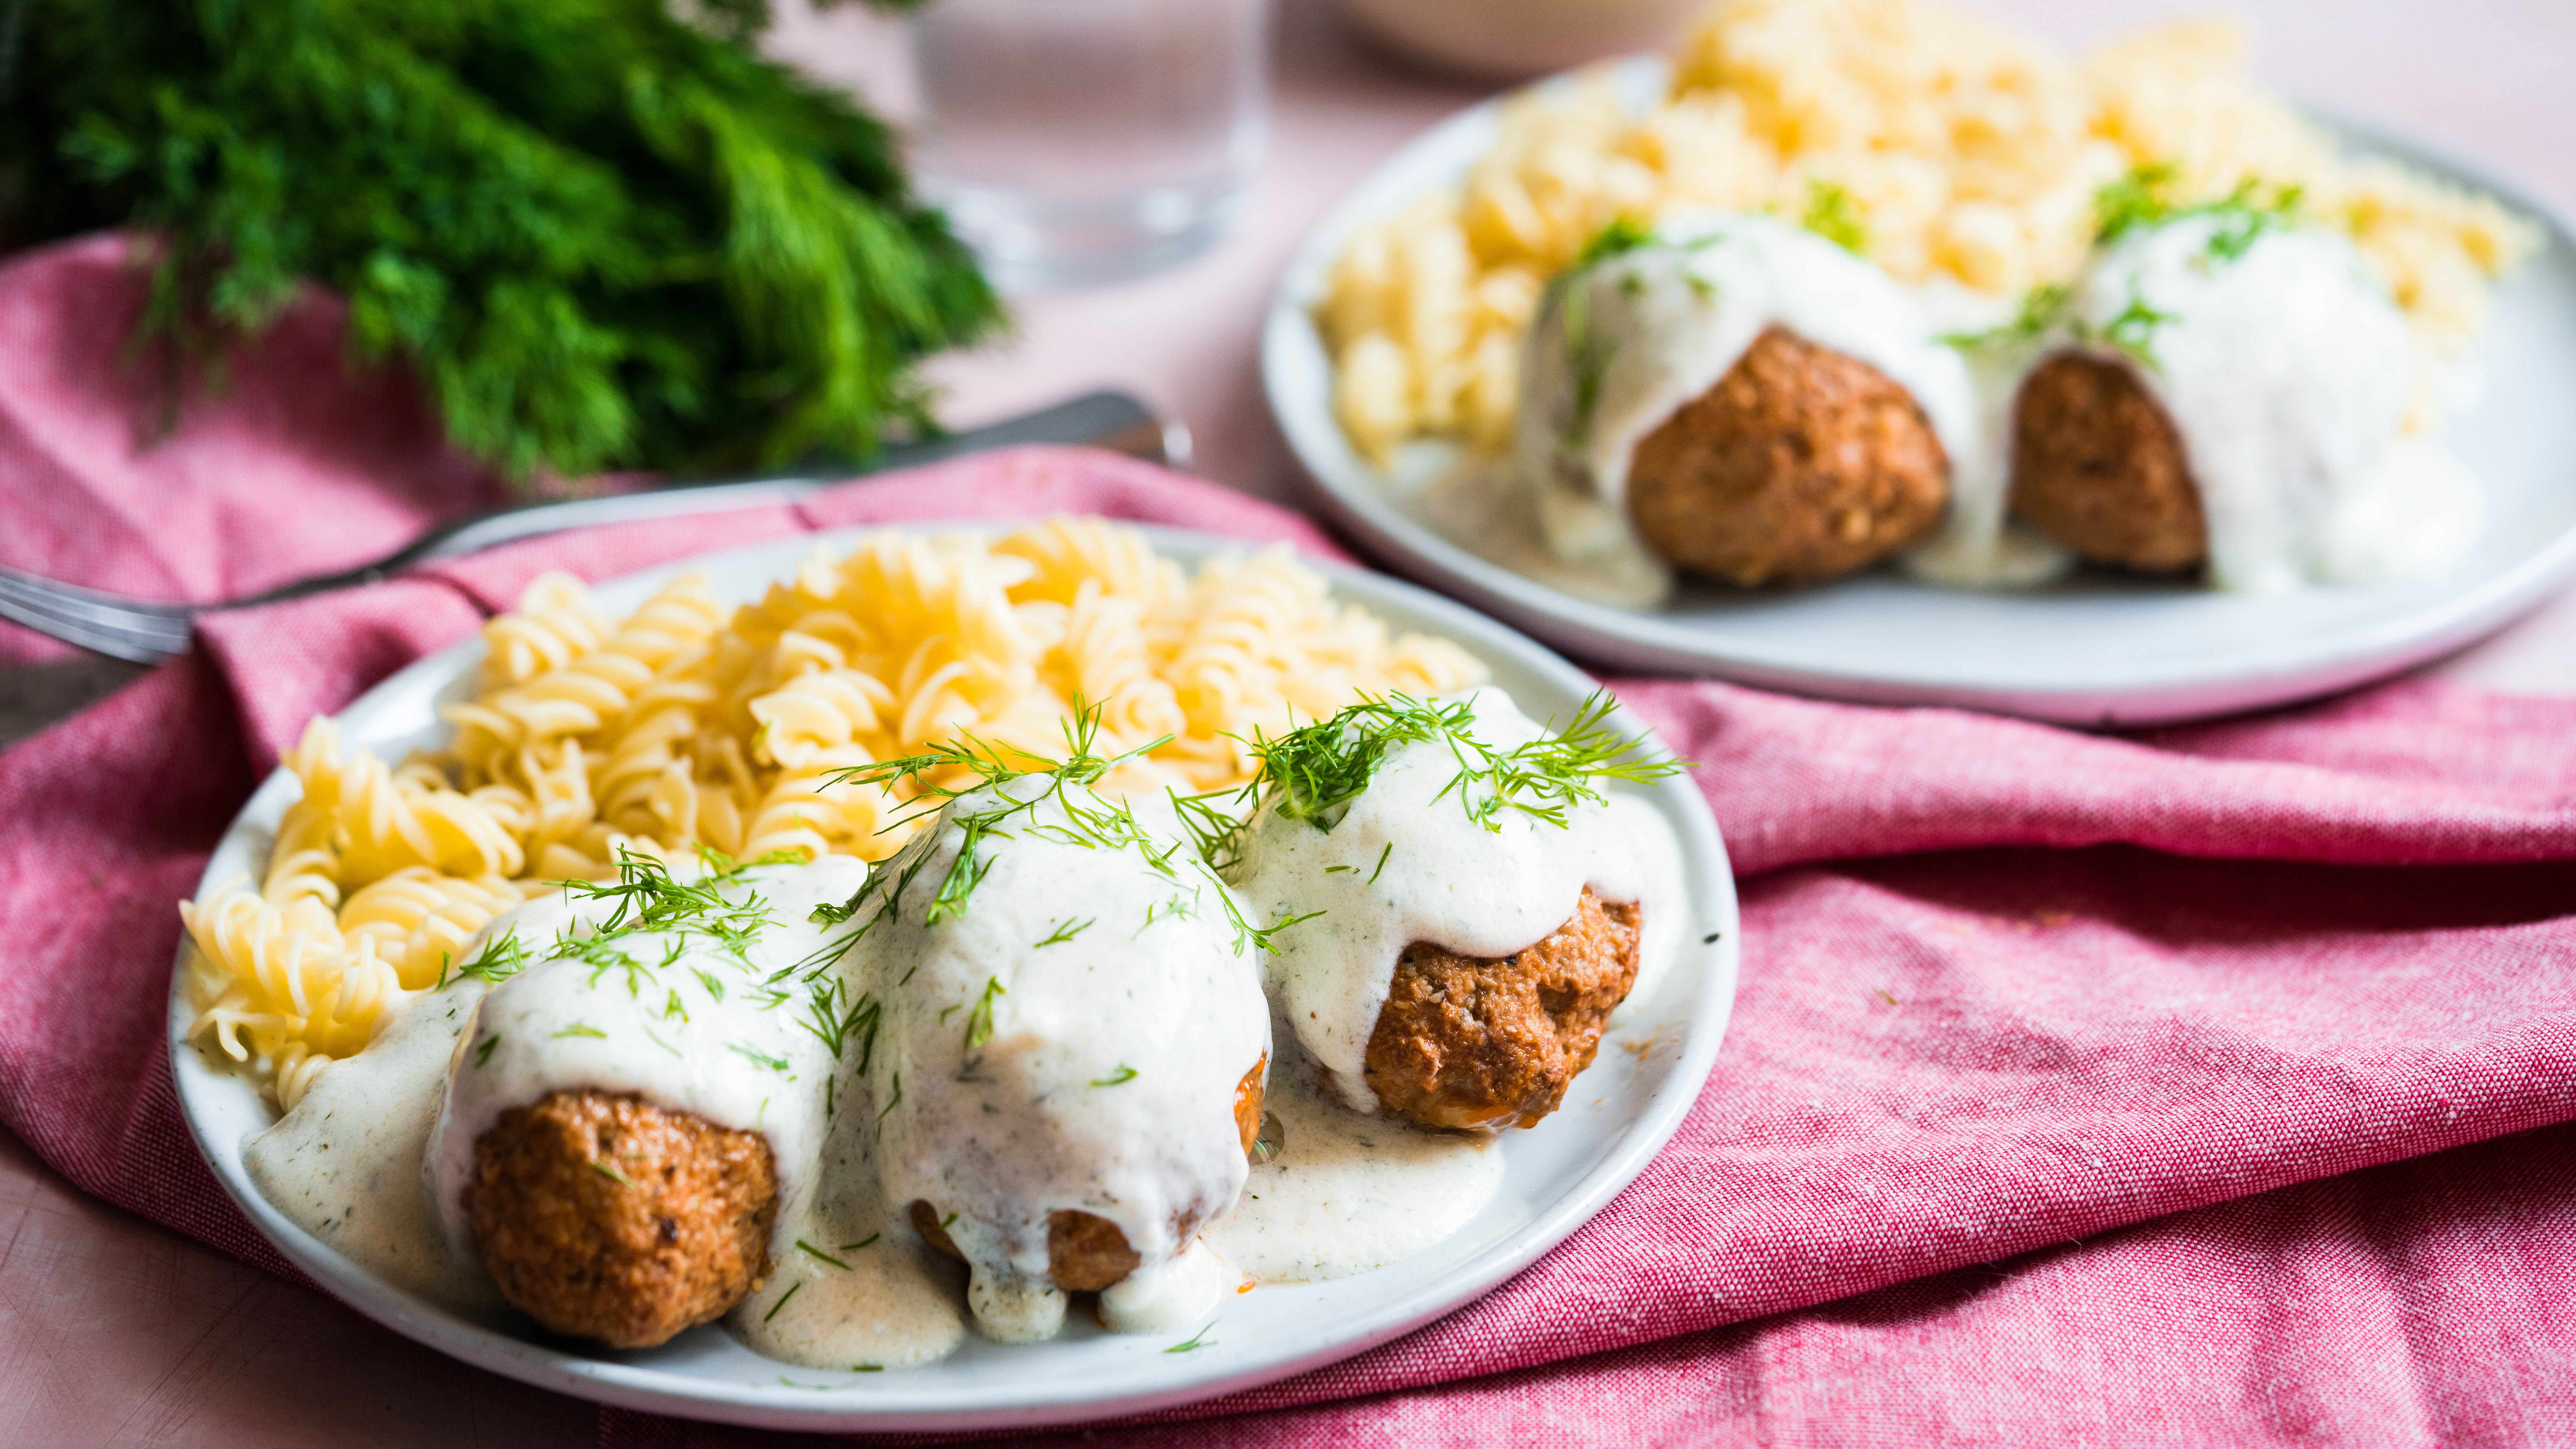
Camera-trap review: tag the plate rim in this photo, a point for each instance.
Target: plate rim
(2354, 654)
(652, 1389)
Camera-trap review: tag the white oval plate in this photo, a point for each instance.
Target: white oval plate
(1557, 1175)
(2094, 649)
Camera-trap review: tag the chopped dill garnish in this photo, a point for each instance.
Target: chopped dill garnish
(483, 1050)
(867, 1368)
(501, 958)
(1618, 237)
(582, 1028)
(1381, 861)
(861, 1243)
(655, 1038)
(944, 1222)
(979, 1022)
(830, 1022)
(1065, 932)
(1197, 1341)
(1089, 821)
(1123, 1075)
(673, 1008)
(1248, 936)
(815, 1252)
(1338, 869)
(2133, 331)
(775, 1064)
(2042, 308)
(1315, 772)
(610, 1171)
(781, 1303)
(897, 1099)
(1833, 215)
(2144, 198)
(647, 899)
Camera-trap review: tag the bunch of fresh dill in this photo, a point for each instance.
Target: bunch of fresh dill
(604, 236)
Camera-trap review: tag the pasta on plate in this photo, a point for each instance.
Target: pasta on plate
(1952, 152)
(692, 725)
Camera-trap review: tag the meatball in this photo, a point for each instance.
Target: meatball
(606, 1217)
(2099, 467)
(1087, 1252)
(1801, 464)
(1471, 1042)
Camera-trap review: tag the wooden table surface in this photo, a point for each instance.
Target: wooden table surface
(113, 1331)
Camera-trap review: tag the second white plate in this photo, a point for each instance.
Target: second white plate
(2095, 649)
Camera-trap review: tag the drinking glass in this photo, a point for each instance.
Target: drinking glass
(1080, 141)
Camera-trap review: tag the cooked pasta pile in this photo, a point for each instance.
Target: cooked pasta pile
(691, 724)
(1954, 149)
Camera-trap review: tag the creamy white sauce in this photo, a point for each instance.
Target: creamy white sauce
(1642, 334)
(1407, 863)
(1071, 1041)
(345, 1165)
(2289, 374)
(1348, 1193)
(1100, 1077)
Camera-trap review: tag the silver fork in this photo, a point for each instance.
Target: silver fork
(145, 631)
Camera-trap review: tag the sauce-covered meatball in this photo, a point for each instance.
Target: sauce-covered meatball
(2098, 465)
(1799, 465)
(603, 1216)
(1087, 1252)
(1470, 1042)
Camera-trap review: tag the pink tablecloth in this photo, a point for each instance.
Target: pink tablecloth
(2006, 988)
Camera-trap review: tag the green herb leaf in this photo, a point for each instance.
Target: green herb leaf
(814, 1252)
(1123, 1075)
(1833, 215)
(1065, 932)
(979, 1022)
(603, 233)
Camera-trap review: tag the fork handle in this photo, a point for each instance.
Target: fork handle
(1111, 420)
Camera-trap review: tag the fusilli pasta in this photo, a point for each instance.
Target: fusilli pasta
(689, 725)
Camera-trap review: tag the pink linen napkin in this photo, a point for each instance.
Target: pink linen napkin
(2006, 986)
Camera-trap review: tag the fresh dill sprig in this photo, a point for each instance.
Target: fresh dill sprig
(979, 1022)
(1065, 932)
(1121, 1077)
(1616, 238)
(2144, 198)
(1198, 1340)
(2132, 332)
(775, 1064)
(2042, 308)
(582, 1028)
(1835, 216)
(1088, 820)
(1313, 773)
(814, 1252)
(602, 234)
(501, 958)
(1247, 936)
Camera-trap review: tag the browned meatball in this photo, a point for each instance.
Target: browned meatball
(1470, 1042)
(2099, 467)
(1801, 464)
(606, 1217)
(1087, 1252)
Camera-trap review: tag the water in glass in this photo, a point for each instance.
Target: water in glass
(1077, 141)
